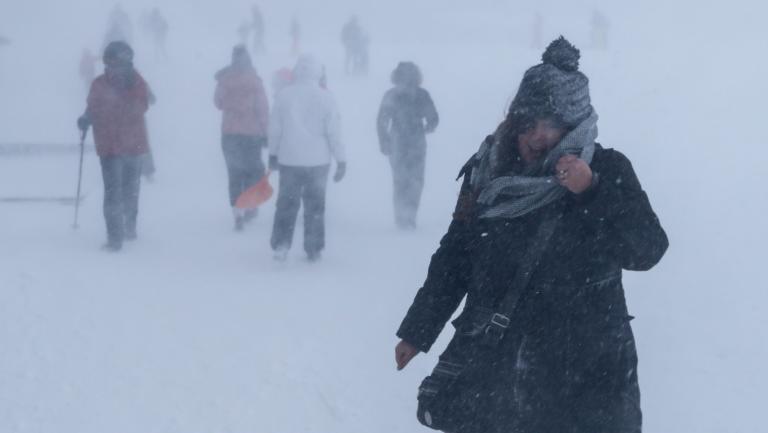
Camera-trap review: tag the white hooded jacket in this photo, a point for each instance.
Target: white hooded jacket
(305, 126)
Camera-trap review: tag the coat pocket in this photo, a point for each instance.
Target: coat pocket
(472, 321)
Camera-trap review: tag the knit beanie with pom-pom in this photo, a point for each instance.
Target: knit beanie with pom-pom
(554, 88)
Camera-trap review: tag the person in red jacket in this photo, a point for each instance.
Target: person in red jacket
(241, 97)
(117, 102)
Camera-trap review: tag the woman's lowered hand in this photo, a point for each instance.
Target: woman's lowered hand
(404, 352)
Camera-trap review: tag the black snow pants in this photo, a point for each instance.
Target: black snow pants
(122, 180)
(299, 185)
(245, 167)
(408, 164)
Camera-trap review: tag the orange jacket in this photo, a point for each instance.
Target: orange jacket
(241, 98)
(117, 116)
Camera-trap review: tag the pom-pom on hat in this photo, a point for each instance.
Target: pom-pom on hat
(554, 88)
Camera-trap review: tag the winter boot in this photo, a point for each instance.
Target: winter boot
(250, 214)
(239, 215)
(130, 234)
(313, 256)
(112, 246)
(280, 254)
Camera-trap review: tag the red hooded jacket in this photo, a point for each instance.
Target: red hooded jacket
(241, 98)
(117, 115)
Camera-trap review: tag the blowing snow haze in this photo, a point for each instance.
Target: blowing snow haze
(195, 327)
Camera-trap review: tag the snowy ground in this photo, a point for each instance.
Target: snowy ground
(194, 328)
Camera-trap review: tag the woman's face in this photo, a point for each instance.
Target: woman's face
(536, 142)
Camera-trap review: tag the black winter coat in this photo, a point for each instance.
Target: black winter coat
(568, 361)
(406, 114)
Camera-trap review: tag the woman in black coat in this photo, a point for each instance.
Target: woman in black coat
(406, 115)
(548, 219)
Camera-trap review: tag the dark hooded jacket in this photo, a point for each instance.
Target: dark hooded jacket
(568, 361)
(406, 114)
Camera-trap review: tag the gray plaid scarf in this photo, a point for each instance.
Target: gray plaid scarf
(536, 186)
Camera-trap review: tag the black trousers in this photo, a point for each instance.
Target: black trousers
(122, 181)
(242, 153)
(301, 185)
(408, 164)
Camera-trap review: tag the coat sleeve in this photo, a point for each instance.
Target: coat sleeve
(262, 106)
(275, 133)
(619, 203)
(333, 131)
(218, 96)
(383, 122)
(142, 98)
(430, 114)
(91, 101)
(444, 287)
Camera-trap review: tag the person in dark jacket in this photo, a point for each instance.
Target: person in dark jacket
(355, 41)
(406, 115)
(241, 97)
(119, 27)
(258, 27)
(566, 359)
(117, 102)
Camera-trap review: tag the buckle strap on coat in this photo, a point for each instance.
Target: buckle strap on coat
(500, 321)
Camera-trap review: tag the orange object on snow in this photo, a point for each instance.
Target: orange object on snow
(256, 195)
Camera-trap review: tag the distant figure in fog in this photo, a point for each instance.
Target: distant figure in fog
(304, 136)
(355, 42)
(156, 26)
(244, 33)
(295, 36)
(148, 168)
(406, 115)
(116, 105)
(119, 27)
(257, 24)
(241, 97)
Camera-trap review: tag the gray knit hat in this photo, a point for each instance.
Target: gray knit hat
(554, 88)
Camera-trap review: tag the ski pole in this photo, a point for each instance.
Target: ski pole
(79, 177)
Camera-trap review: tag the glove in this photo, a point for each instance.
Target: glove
(273, 165)
(341, 170)
(83, 122)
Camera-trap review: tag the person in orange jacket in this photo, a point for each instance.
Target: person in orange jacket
(117, 102)
(243, 102)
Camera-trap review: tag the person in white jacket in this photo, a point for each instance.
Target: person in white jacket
(304, 137)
